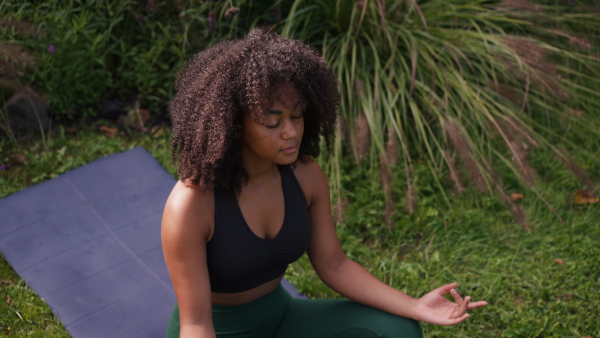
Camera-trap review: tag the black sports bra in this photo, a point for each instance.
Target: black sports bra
(239, 260)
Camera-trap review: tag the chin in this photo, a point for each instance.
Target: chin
(287, 160)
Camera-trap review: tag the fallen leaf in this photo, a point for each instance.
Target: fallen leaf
(231, 11)
(583, 196)
(576, 112)
(17, 158)
(515, 198)
(519, 300)
(108, 131)
(565, 297)
(135, 119)
(8, 300)
(558, 261)
(157, 131)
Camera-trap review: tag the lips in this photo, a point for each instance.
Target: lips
(290, 150)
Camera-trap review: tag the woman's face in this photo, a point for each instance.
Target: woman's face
(276, 135)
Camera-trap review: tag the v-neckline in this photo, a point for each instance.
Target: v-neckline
(237, 204)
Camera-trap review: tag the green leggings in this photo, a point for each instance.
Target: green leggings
(279, 315)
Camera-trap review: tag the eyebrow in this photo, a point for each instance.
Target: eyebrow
(279, 112)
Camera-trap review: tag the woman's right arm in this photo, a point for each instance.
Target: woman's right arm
(186, 227)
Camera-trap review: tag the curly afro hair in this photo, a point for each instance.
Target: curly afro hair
(216, 86)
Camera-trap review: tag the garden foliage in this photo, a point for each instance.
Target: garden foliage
(465, 86)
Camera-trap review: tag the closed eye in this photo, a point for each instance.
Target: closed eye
(295, 117)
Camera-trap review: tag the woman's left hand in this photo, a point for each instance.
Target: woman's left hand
(434, 308)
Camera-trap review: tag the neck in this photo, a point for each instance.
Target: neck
(259, 172)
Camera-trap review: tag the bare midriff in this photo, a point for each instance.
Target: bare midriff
(241, 298)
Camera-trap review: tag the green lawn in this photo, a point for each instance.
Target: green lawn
(538, 283)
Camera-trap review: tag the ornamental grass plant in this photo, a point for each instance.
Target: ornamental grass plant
(466, 86)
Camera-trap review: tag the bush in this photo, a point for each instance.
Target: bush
(109, 49)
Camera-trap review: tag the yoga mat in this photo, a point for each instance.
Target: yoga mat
(88, 243)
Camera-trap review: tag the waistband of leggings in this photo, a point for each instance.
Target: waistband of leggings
(279, 296)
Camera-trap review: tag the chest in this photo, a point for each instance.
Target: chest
(263, 210)
(254, 241)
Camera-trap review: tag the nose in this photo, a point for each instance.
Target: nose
(289, 129)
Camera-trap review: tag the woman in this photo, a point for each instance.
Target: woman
(248, 117)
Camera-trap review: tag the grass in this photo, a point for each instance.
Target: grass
(539, 283)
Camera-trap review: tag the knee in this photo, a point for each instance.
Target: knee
(394, 327)
(385, 325)
(412, 328)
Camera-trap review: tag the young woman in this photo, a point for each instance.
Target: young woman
(247, 118)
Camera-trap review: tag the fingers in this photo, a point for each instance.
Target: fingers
(459, 319)
(457, 298)
(461, 304)
(442, 290)
(458, 310)
(463, 308)
(476, 305)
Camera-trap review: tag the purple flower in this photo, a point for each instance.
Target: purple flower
(209, 19)
(150, 5)
(51, 49)
(5, 167)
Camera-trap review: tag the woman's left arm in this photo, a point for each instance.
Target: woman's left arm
(352, 281)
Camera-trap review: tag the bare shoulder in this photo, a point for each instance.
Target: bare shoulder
(308, 169)
(189, 210)
(311, 178)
